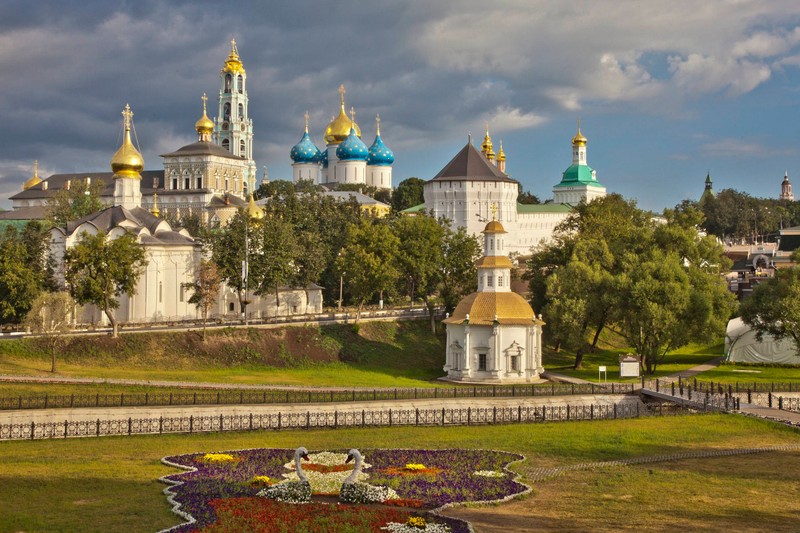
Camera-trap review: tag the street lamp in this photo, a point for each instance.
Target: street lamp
(341, 286)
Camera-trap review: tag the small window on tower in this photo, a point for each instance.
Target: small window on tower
(226, 144)
(240, 83)
(199, 182)
(489, 280)
(241, 111)
(242, 149)
(499, 281)
(186, 184)
(226, 111)
(228, 80)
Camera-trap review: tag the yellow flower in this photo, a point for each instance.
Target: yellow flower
(260, 480)
(415, 466)
(218, 458)
(416, 521)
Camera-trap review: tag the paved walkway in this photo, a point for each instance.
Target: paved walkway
(24, 416)
(684, 374)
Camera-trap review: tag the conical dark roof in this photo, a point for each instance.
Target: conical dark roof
(470, 165)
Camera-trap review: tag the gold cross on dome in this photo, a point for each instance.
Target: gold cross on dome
(494, 210)
(127, 115)
(352, 114)
(341, 92)
(378, 124)
(306, 115)
(204, 98)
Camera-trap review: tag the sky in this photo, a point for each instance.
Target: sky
(665, 91)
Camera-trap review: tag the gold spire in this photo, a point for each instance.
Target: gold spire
(253, 211)
(486, 148)
(377, 125)
(579, 139)
(34, 180)
(127, 161)
(204, 125)
(154, 210)
(306, 115)
(501, 155)
(339, 127)
(233, 64)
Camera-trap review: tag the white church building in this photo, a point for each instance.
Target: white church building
(494, 335)
(474, 183)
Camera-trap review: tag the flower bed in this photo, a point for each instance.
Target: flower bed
(217, 495)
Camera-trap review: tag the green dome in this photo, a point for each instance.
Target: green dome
(578, 175)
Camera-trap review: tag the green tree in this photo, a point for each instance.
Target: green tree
(75, 202)
(368, 260)
(50, 319)
(774, 307)
(408, 193)
(527, 197)
(98, 270)
(420, 257)
(228, 251)
(273, 264)
(24, 269)
(205, 289)
(458, 274)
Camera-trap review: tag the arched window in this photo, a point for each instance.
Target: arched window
(240, 83)
(174, 182)
(227, 183)
(216, 181)
(199, 182)
(187, 182)
(226, 144)
(241, 111)
(242, 148)
(226, 113)
(227, 83)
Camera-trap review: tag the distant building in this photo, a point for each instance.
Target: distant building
(786, 189)
(346, 159)
(708, 191)
(473, 186)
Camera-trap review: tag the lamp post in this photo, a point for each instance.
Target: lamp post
(341, 286)
(245, 265)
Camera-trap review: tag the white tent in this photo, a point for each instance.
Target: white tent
(741, 346)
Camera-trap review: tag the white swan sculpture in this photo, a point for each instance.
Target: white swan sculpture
(354, 491)
(291, 491)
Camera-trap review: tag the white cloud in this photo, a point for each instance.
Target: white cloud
(729, 147)
(698, 74)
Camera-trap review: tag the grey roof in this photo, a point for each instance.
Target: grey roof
(470, 165)
(361, 198)
(57, 182)
(138, 218)
(24, 213)
(218, 201)
(204, 148)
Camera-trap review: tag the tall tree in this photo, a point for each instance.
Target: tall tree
(458, 274)
(75, 202)
(273, 264)
(774, 307)
(99, 270)
(24, 269)
(205, 289)
(420, 257)
(368, 260)
(228, 251)
(408, 193)
(50, 319)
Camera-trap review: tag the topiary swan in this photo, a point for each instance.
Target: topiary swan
(291, 491)
(354, 491)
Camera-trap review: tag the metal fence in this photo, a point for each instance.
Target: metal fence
(788, 404)
(740, 386)
(255, 397)
(336, 419)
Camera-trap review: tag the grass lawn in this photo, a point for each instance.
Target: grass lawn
(675, 361)
(378, 354)
(109, 484)
(731, 373)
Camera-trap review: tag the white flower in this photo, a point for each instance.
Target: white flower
(396, 527)
(488, 473)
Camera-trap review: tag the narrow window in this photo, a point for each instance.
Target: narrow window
(199, 182)
(240, 83)
(482, 361)
(242, 149)
(489, 280)
(241, 110)
(160, 292)
(226, 113)
(514, 363)
(230, 307)
(499, 281)
(175, 183)
(226, 144)
(227, 83)
(187, 183)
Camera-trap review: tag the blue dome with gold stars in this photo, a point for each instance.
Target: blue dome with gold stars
(323, 158)
(352, 148)
(305, 151)
(379, 153)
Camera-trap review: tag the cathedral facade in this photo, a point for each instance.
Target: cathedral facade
(346, 159)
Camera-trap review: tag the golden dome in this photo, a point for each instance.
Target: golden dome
(34, 180)
(494, 227)
(579, 139)
(253, 211)
(233, 64)
(487, 149)
(339, 128)
(484, 307)
(204, 126)
(501, 155)
(127, 161)
(494, 261)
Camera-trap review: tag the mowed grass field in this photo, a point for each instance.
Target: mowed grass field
(110, 484)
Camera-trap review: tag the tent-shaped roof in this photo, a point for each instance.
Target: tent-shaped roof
(470, 165)
(741, 346)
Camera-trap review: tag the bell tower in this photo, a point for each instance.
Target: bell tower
(233, 129)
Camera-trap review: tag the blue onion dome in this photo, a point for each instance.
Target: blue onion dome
(305, 151)
(323, 158)
(352, 148)
(379, 153)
